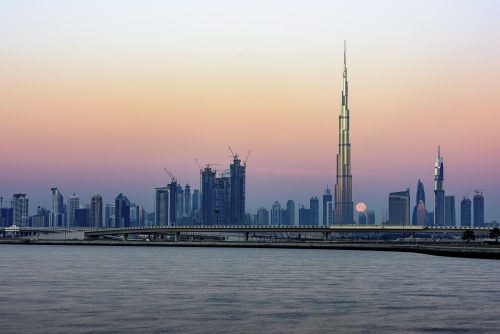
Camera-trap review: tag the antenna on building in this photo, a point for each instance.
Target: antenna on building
(345, 62)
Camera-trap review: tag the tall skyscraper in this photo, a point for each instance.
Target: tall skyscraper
(162, 204)
(187, 200)
(449, 211)
(179, 203)
(73, 204)
(327, 197)
(304, 216)
(439, 190)
(81, 217)
(399, 208)
(222, 200)
(290, 212)
(419, 204)
(370, 217)
(172, 188)
(122, 211)
(478, 208)
(343, 187)
(96, 211)
(276, 213)
(466, 212)
(57, 216)
(20, 206)
(196, 200)
(314, 211)
(110, 215)
(237, 182)
(330, 213)
(207, 196)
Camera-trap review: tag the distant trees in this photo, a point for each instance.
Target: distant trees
(495, 233)
(468, 235)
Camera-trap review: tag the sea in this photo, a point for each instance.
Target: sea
(144, 289)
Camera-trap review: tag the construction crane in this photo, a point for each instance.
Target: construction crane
(172, 176)
(233, 155)
(198, 164)
(246, 159)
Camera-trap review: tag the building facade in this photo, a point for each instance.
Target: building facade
(399, 208)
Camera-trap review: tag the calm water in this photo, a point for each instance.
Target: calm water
(78, 289)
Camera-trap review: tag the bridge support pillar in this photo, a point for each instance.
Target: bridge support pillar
(125, 236)
(326, 236)
(177, 236)
(247, 235)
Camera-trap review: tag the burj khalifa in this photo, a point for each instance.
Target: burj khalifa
(343, 187)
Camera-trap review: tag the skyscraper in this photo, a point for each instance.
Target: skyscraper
(478, 208)
(237, 182)
(74, 203)
(207, 196)
(162, 203)
(290, 212)
(449, 211)
(96, 211)
(370, 217)
(122, 211)
(81, 217)
(20, 206)
(57, 217)
(314, 211)
(276, 213)
(196, 200)
(172, 188)
(222, 200)
(187, 200)
(327, 197)
(304, 216)
(110, 215)
(439, 190)
(262, 216)
(419, 204)
(466, 212)
(399, 208)
(343, 186)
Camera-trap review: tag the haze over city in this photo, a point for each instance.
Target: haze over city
(100, 97)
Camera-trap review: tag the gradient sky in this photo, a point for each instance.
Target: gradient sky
(99, 96)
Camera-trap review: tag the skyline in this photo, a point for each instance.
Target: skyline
(274, 89)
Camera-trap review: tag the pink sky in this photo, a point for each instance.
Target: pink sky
(102, 102)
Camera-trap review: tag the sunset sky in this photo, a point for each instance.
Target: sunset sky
(100, 96)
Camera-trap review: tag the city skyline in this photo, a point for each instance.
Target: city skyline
(62, 99)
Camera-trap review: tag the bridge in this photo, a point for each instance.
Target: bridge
(245, 231)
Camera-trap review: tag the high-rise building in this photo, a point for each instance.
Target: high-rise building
(362, 218)
(343, 186)
(478, 208)
(290, 212)
(419, 202)
(96, 211)
(421, 214)
(327, 197)
(399, 208)
(314, 211)
(187, 200)
(262, 216)
(330, 213)
(162, 204)
(81, 217)
(57, 216)
(237, 182)
(207, 196)
(370, 217)
(304, 216)
(439, 190)
(73, 204)
(110, 215)
(172, 188)
(276, 213)
(179, 203)
(6, 217)
(466, 212)
(122, 211)
(20, 207)
(222, 200)
(196, 200)
(449, 211)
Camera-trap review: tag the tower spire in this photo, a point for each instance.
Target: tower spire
(345, 57)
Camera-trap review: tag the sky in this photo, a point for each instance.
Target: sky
(100, 96)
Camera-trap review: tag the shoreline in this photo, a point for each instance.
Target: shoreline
(466, 251)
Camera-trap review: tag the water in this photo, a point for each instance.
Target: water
(100, 289)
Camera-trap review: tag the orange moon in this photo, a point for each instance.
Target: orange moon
(360, 207)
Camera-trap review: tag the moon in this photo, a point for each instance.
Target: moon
(360, 207)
